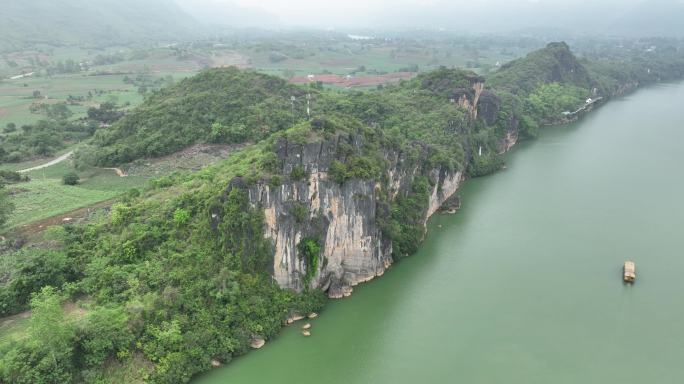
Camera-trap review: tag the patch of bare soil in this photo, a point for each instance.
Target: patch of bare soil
(70, 308)
(354, 81)
(229, 58)
(13, 191)
(77, 216)
(75, 309)
(118, 171)
(4, 112)
(192, 158)
(7, 321)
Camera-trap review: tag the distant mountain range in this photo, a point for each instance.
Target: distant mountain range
(91, 22)
(26, 23)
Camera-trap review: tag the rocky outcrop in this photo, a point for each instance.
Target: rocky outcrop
(488, 107)
(508, 141)
(342, 217)
(468, 98)
(626, 88)
(446, 186)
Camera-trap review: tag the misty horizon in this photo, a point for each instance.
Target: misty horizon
(572, 17)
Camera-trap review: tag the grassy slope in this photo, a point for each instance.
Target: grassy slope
(183, 114)
(45, 195)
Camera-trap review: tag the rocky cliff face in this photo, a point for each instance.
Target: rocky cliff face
(488, 108)
(468, 98)
(342, 216)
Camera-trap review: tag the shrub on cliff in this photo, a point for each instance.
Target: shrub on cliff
(485, 165)
(309, 250)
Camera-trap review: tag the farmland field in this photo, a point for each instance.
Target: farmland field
(45, 195)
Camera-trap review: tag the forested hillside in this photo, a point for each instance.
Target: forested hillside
(550, 81)
(182, 274)
(233, 106)
(218, 105)
(94, 23)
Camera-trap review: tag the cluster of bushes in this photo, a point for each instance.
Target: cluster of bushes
(402, 221)
(70, 178)
(10, 177)
(147, 82)
(51, 111)
(46, 137)
(57, 343)
(43, 138)
(6, 208)
(309, 250)
(105, 113)
(166, 285)
(223, 105)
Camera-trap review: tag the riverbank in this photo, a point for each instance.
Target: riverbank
(492, 295)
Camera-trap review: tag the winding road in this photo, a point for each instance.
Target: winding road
(49, 163)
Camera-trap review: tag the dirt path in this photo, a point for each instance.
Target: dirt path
(74, 216)
(49, 163)
(118, 171)
(5, 322)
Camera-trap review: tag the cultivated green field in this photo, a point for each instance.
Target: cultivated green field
(46, 196)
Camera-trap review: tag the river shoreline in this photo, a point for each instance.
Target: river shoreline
(450, 309)
(463, 184)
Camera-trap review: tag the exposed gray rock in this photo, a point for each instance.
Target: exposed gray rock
(488, 107)
(343, 216)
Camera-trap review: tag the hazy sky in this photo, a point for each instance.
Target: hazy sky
(361, 12)
(307, 11)
(591, 16)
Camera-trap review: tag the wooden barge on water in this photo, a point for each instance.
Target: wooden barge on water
(629, 272)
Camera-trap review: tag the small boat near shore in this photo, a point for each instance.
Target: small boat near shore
(629, 272)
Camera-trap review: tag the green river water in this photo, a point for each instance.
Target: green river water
(523, 285)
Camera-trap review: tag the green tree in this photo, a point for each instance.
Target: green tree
(180, 217)
(46, 355)
(218, 132)
(105, 332)
(6, 206)
(71, 178)
(309, 250)
(49, 330)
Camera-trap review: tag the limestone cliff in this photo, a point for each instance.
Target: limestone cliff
(343, 216)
